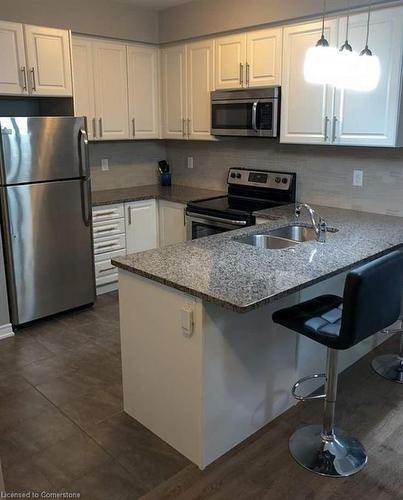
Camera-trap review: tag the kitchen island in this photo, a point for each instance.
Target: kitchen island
(197, 370)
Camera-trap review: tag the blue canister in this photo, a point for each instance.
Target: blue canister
(165, 179)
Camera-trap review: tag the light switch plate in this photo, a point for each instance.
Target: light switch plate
(190, 161)
(105, 165)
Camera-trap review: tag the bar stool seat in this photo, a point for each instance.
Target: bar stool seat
(371, 302)
(318, 319)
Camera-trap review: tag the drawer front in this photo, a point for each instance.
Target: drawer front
(106, 280)
(104, 268)
(110, 255)
(108, 212)
(103, 245)
(108, 228)
(105, 272)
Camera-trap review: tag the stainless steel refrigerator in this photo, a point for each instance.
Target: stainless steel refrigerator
(45, 195)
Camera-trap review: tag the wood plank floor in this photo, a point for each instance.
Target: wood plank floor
(369, 408)
(63, 428)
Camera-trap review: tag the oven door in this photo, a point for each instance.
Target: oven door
(198, 226)
(245, 117)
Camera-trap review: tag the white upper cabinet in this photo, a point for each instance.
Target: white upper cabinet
(111, 100)
(49, 62)
(174, 92)
(143, 84)
(230, 61)
(306, 109)
(200, 82)
(13, 75)
(371, 118)
(83, 79)
(264, 51)
(250, 59)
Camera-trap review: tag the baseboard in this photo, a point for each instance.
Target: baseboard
(6, 331)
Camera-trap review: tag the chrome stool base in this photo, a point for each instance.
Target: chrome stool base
(389, 366)
(339, 456)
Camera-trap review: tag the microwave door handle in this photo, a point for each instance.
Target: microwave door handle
(254, 115)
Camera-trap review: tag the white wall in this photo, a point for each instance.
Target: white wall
(205, 17)
(95, 17)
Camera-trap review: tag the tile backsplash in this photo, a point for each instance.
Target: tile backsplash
(131, 163)
(325, 173)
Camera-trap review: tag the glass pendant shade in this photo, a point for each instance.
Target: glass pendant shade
(346, 65)
(319, 66)
(368, 73)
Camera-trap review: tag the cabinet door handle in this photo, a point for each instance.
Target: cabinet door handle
(241, 74)
(247, 74)
(129, 215)
(183, 127)
(106, 245)
(334, 129)
(188, 127)
(24, 77)
(101, 131)
(326, 127)
(134, 127)
(101, 213)
(94, 128)
(107, 269)
(33, 79)
(106, 230)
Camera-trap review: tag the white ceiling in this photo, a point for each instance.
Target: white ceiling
(154, 4)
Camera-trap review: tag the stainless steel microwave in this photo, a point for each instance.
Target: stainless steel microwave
(251, 112)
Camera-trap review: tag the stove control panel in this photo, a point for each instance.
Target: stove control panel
(260, 178)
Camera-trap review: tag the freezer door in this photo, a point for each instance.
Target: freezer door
(49, 251)
(39, 149)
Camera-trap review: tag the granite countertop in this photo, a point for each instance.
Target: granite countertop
(179, 194)
(241, 277)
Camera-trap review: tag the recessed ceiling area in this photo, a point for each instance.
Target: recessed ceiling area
(154, 4)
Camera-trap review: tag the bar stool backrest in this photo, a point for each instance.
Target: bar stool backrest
(372, 298)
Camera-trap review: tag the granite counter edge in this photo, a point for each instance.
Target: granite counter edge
(255, 305)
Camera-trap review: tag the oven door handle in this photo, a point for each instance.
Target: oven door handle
(254, 115)
(217, 219)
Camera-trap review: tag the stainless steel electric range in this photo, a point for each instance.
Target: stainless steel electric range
(248, 191)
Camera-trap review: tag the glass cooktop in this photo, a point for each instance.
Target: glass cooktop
(226, 205)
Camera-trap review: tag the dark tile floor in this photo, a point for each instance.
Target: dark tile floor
(63, 428)
(61, 419)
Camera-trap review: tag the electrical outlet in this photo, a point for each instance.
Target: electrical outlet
(358, 178)
(190, 161)
(105, 165)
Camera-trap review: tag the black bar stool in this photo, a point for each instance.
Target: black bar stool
(390, 366)
(371, 302)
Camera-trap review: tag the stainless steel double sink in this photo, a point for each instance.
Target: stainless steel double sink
(282, 237)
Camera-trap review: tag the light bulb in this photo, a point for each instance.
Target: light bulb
(319, 65)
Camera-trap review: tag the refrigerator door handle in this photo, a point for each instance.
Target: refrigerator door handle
(83, 153)
(86, 201)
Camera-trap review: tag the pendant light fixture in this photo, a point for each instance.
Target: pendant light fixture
(369, 67)
(319, 65)
(346, 61)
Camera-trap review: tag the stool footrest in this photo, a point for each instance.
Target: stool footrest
(394, 331)
(305, 379)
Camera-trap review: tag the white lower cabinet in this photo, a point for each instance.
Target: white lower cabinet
(109, 234)
(172, 223)
(141, 226)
